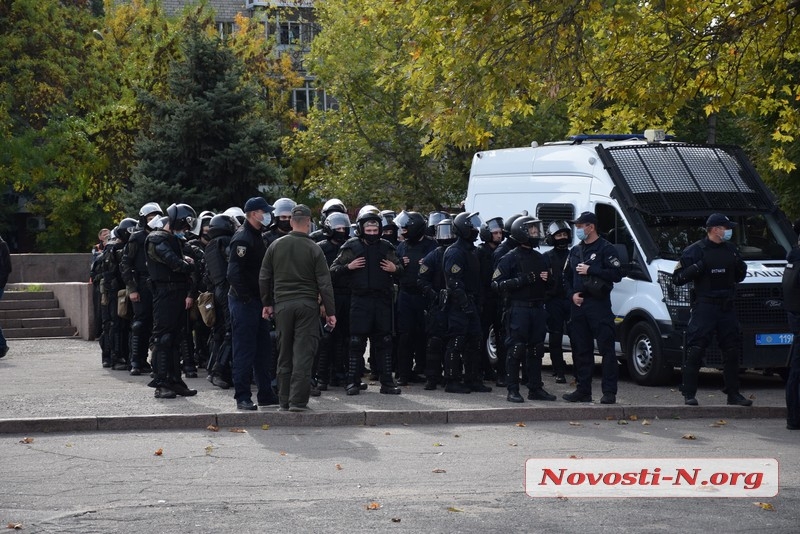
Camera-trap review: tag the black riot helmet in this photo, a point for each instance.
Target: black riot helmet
(337, 226)
(125, 228)
(414, 226)
(181, 217)
(489, 226)
(444, 233)
(510, 221)
(369, 216)
(283, 208)
(148, 210)
(466, 225)
(527, 230)
(434, 218)
(556, 227)
(222, 225)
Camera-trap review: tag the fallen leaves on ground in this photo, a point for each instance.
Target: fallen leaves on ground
(512, 444)
(238, 430)
(387, 433)
(562, 498)
(212, 428)
(634, 417)
(26, 440)
(454, 509)
(765, 506)
(209, 449)
(395, 520)
(609, 418)
(159, 452)
(373, 506)
(456, 436)
(339, 467)
(646, 422)
(575, 423)
(718, 424)
(622, 422)
(264, 427)
(282, 453)
(575, 457)
(14, 526)
(437, 444)
(439, 471)
(688, 436)
(520, 424)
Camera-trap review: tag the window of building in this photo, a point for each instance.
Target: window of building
(308, 96)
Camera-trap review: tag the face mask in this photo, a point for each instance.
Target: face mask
(580, 233)
(180, 235)
(372, 238)
(727, 235)
(284, 226)
(473, 234)
(561, 243)
(266, 219)
(340, 235)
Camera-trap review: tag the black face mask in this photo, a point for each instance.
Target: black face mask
(561, 244)
(372, 238)
(473, 234)
(284, 226)
(340, 235)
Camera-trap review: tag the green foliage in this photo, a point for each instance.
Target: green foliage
(204, 144)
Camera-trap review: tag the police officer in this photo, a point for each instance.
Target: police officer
(557, 303)
(491, 234)
(431, 280)
(217, 253)
(170, 273)
(791, 302)
(372, 265)
(462, 276)
(508, 244)
(137, 281)
(411, 303)
(281, 220)
(589, 275)
(715, 267)
(252, 347)
(333, 205)
(114, 351)
(389, 228)
(335, 343)
(523, 276)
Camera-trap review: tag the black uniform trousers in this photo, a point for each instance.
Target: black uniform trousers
(590, 322)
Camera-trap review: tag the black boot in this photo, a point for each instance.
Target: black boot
(514, 396)
(187, 354)
(691, 374)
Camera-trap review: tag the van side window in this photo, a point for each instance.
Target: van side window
(613, 228)
(548, 213)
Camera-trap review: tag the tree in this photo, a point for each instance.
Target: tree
(204, 145)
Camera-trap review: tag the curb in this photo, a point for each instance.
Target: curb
(115, 423)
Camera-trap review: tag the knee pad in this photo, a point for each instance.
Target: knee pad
(137, 327)
(358, 343)
(164, 341)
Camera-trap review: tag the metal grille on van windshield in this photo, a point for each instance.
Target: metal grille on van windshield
(683, 179)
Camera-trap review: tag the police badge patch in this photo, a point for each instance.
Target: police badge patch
(496, 274)
(455, 269)
(614, 261)
(423, 269)
(241, 251)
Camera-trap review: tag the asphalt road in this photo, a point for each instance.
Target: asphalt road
(326, 479)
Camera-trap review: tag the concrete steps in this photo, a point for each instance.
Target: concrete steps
(30, 314)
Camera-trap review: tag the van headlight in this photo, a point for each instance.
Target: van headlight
(674, 295)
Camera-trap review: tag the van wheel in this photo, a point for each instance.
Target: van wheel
(491, 348)
(645, 361)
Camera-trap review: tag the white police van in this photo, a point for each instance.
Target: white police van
(652, 198)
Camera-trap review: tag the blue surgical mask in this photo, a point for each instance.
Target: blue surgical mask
(180, 235)
(727, 235)
(580, 233)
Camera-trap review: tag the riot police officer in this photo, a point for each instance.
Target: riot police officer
(715, 267)
(372, 265)
(462, 276)
(491, 234)
(333, 205)
(217, 253)
(523, 276)
(590, 273)
(136, 277)
(411, 302)
(557, 304)
(281, 220)
(170, 273)
(434, 287)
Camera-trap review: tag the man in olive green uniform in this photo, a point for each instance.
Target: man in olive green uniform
(294, 275)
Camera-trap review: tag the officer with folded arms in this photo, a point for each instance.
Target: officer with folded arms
(715, 267)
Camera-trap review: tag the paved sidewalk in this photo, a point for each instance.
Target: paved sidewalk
(58, 385)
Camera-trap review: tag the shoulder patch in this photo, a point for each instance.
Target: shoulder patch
(496, 274)
(423, 269)
(614, 261)
(455, 269)
(241, 251)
